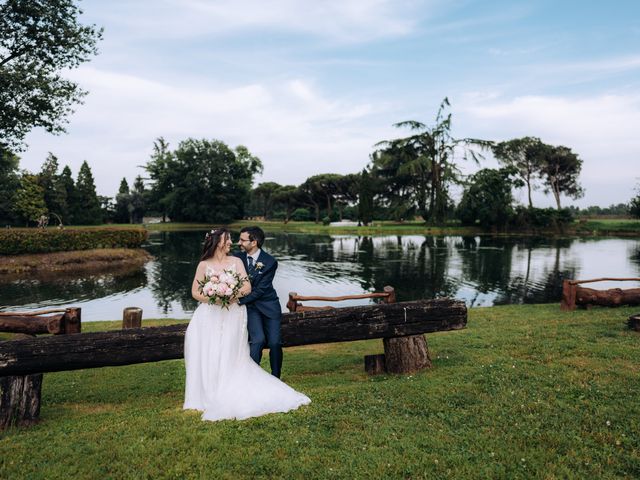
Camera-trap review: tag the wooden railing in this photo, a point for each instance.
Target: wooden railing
(573, 294)
(65, 320)
(388, 296)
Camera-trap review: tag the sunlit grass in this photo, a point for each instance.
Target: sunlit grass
(523, 392)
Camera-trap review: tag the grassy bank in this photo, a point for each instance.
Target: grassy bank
(603, 226)
(74, 262)
(523, 392)
(595, 227)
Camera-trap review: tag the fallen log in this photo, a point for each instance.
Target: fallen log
(151, 344)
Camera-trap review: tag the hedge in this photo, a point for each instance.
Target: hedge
(15, 241)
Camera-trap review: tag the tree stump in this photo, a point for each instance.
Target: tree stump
(634, 322)
(374, 364)
(132, 317)
(406, 354)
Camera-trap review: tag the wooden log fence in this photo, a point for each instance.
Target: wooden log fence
(23, 360)
(574, 295)
(152, 344)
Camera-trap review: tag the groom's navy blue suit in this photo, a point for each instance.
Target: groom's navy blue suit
(263, 311)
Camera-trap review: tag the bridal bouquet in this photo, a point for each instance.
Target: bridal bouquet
(220, 286)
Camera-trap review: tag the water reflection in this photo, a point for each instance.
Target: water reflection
(480, 270)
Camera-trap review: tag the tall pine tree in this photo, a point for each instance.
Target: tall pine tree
(89, 211)
(123, 203)
(55, 195)
(68, 186)
(137, 200)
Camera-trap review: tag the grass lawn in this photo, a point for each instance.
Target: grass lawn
(591, 227)
(523, 392)
(604, 226)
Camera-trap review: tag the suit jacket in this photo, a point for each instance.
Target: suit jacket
(263, 296)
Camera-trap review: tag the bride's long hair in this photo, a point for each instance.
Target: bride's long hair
(212, 240)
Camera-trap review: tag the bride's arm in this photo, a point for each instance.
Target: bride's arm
(195, 292)
(246, 286)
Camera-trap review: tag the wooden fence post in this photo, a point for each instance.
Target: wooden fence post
(20, 395)
(292, 304)
(72, 321)
(20, 398)
(405, 354)
(132, 317)
(568, 301)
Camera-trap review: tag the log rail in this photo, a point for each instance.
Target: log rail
(573, 294)
(151, 344)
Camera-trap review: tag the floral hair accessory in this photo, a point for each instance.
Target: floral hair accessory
(212, 232)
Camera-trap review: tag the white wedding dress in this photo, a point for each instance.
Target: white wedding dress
(223, 381)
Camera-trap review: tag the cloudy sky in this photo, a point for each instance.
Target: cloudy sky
(310, 87)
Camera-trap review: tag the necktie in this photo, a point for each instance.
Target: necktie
(250, 262)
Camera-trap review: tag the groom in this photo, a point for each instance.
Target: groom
(263, 307)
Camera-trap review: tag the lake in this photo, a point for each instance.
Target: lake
(481, 270)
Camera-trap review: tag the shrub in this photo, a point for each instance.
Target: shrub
(14, 241)
(542, 218)
(301, 215)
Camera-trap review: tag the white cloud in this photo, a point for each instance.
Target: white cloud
(292, 127)
(338, 20)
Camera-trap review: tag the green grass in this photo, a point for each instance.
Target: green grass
(523, 392)
(609, 226)
(378, 227)
(591, 227)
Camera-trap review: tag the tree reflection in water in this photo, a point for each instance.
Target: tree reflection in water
(482, 270)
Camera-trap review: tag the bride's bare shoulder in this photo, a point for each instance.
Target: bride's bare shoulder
(236, 261)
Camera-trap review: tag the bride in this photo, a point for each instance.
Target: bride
(223, 381)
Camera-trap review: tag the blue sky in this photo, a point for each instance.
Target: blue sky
(310, 87)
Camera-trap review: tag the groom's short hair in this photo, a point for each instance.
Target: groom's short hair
(255, 233)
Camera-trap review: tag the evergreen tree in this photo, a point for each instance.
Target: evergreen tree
(68, 187)
(55, 195)
(123, 202)
(137, 201)
(29, 203)
(9, 184)
(365, 198)
(89, 211)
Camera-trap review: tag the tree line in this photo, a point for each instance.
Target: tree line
(406, 178)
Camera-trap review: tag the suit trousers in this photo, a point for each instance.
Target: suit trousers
(264, 331)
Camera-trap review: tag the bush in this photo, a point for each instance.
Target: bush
(14, 241)
(542, 218)
(326, 221)
(301, 215)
